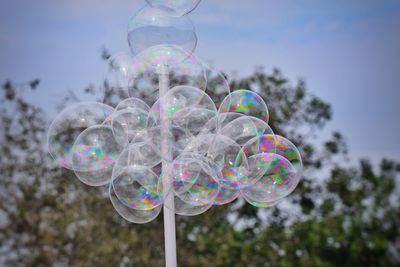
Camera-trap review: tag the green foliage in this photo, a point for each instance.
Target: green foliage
(338, 216)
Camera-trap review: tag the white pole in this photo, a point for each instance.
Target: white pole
(169, 214)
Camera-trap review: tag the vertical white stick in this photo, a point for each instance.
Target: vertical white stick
(169, 214)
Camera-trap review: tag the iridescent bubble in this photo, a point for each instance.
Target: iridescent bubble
(264, 157)
(128, 123)
(265, 143)
(278, 180)
(245, 102)
(132, 215)
(247, 167)
(269, 143)
(181, 7)
(191, 179)
(222, 151)
(66, 127)
(175, 64)
(160, 26)
(245, 128)
(117, 78)
(94, 154)
(288, 150)
(136, 187)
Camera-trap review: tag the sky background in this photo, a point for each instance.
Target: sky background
(347, 51)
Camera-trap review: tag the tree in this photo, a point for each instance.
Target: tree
(338, 216)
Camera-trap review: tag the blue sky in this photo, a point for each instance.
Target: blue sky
(347, 51)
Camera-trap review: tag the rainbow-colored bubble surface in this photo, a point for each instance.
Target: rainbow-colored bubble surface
(247, 103)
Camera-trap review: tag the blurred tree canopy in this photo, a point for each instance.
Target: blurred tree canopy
(339, 215)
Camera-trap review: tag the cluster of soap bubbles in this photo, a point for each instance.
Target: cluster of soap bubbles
(184, 145)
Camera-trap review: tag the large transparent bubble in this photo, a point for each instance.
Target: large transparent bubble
(136, 187)
(185, 209)
(278, 180)
(222, 151)
(191, 179)
(245, 128)
(249, 171)
(245, 102)
(153, 26)
(179, 66)
(132, 215)
(186, 107)
(269, 168)
(132, 103)
(181, 7)
(128, 123)
(94, 154)
(71, 122)
(143, 153)
(218, 122)
(269, 143)
(175, 137)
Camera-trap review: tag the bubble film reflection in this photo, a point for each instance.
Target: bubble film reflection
(245, 102)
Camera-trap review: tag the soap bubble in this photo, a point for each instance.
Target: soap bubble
(193, 119)
(179, 99)
(160, 26)
(288, 150)
(243, 129)
(133, 102)
(218, 122)
(140, 154)
(185, 107)
(181, 7)
(247, 167)
(268, 156)
(245, 102)
(179, 66)
(269, 143)
(132, 215)
(265, 143)
(278, 180)
(66, 127)
(175, 137)
(94, 154)
(128, 123)
(136, 187)
(185, 209)
(117, 78)
(191, 179)
(222, 151)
